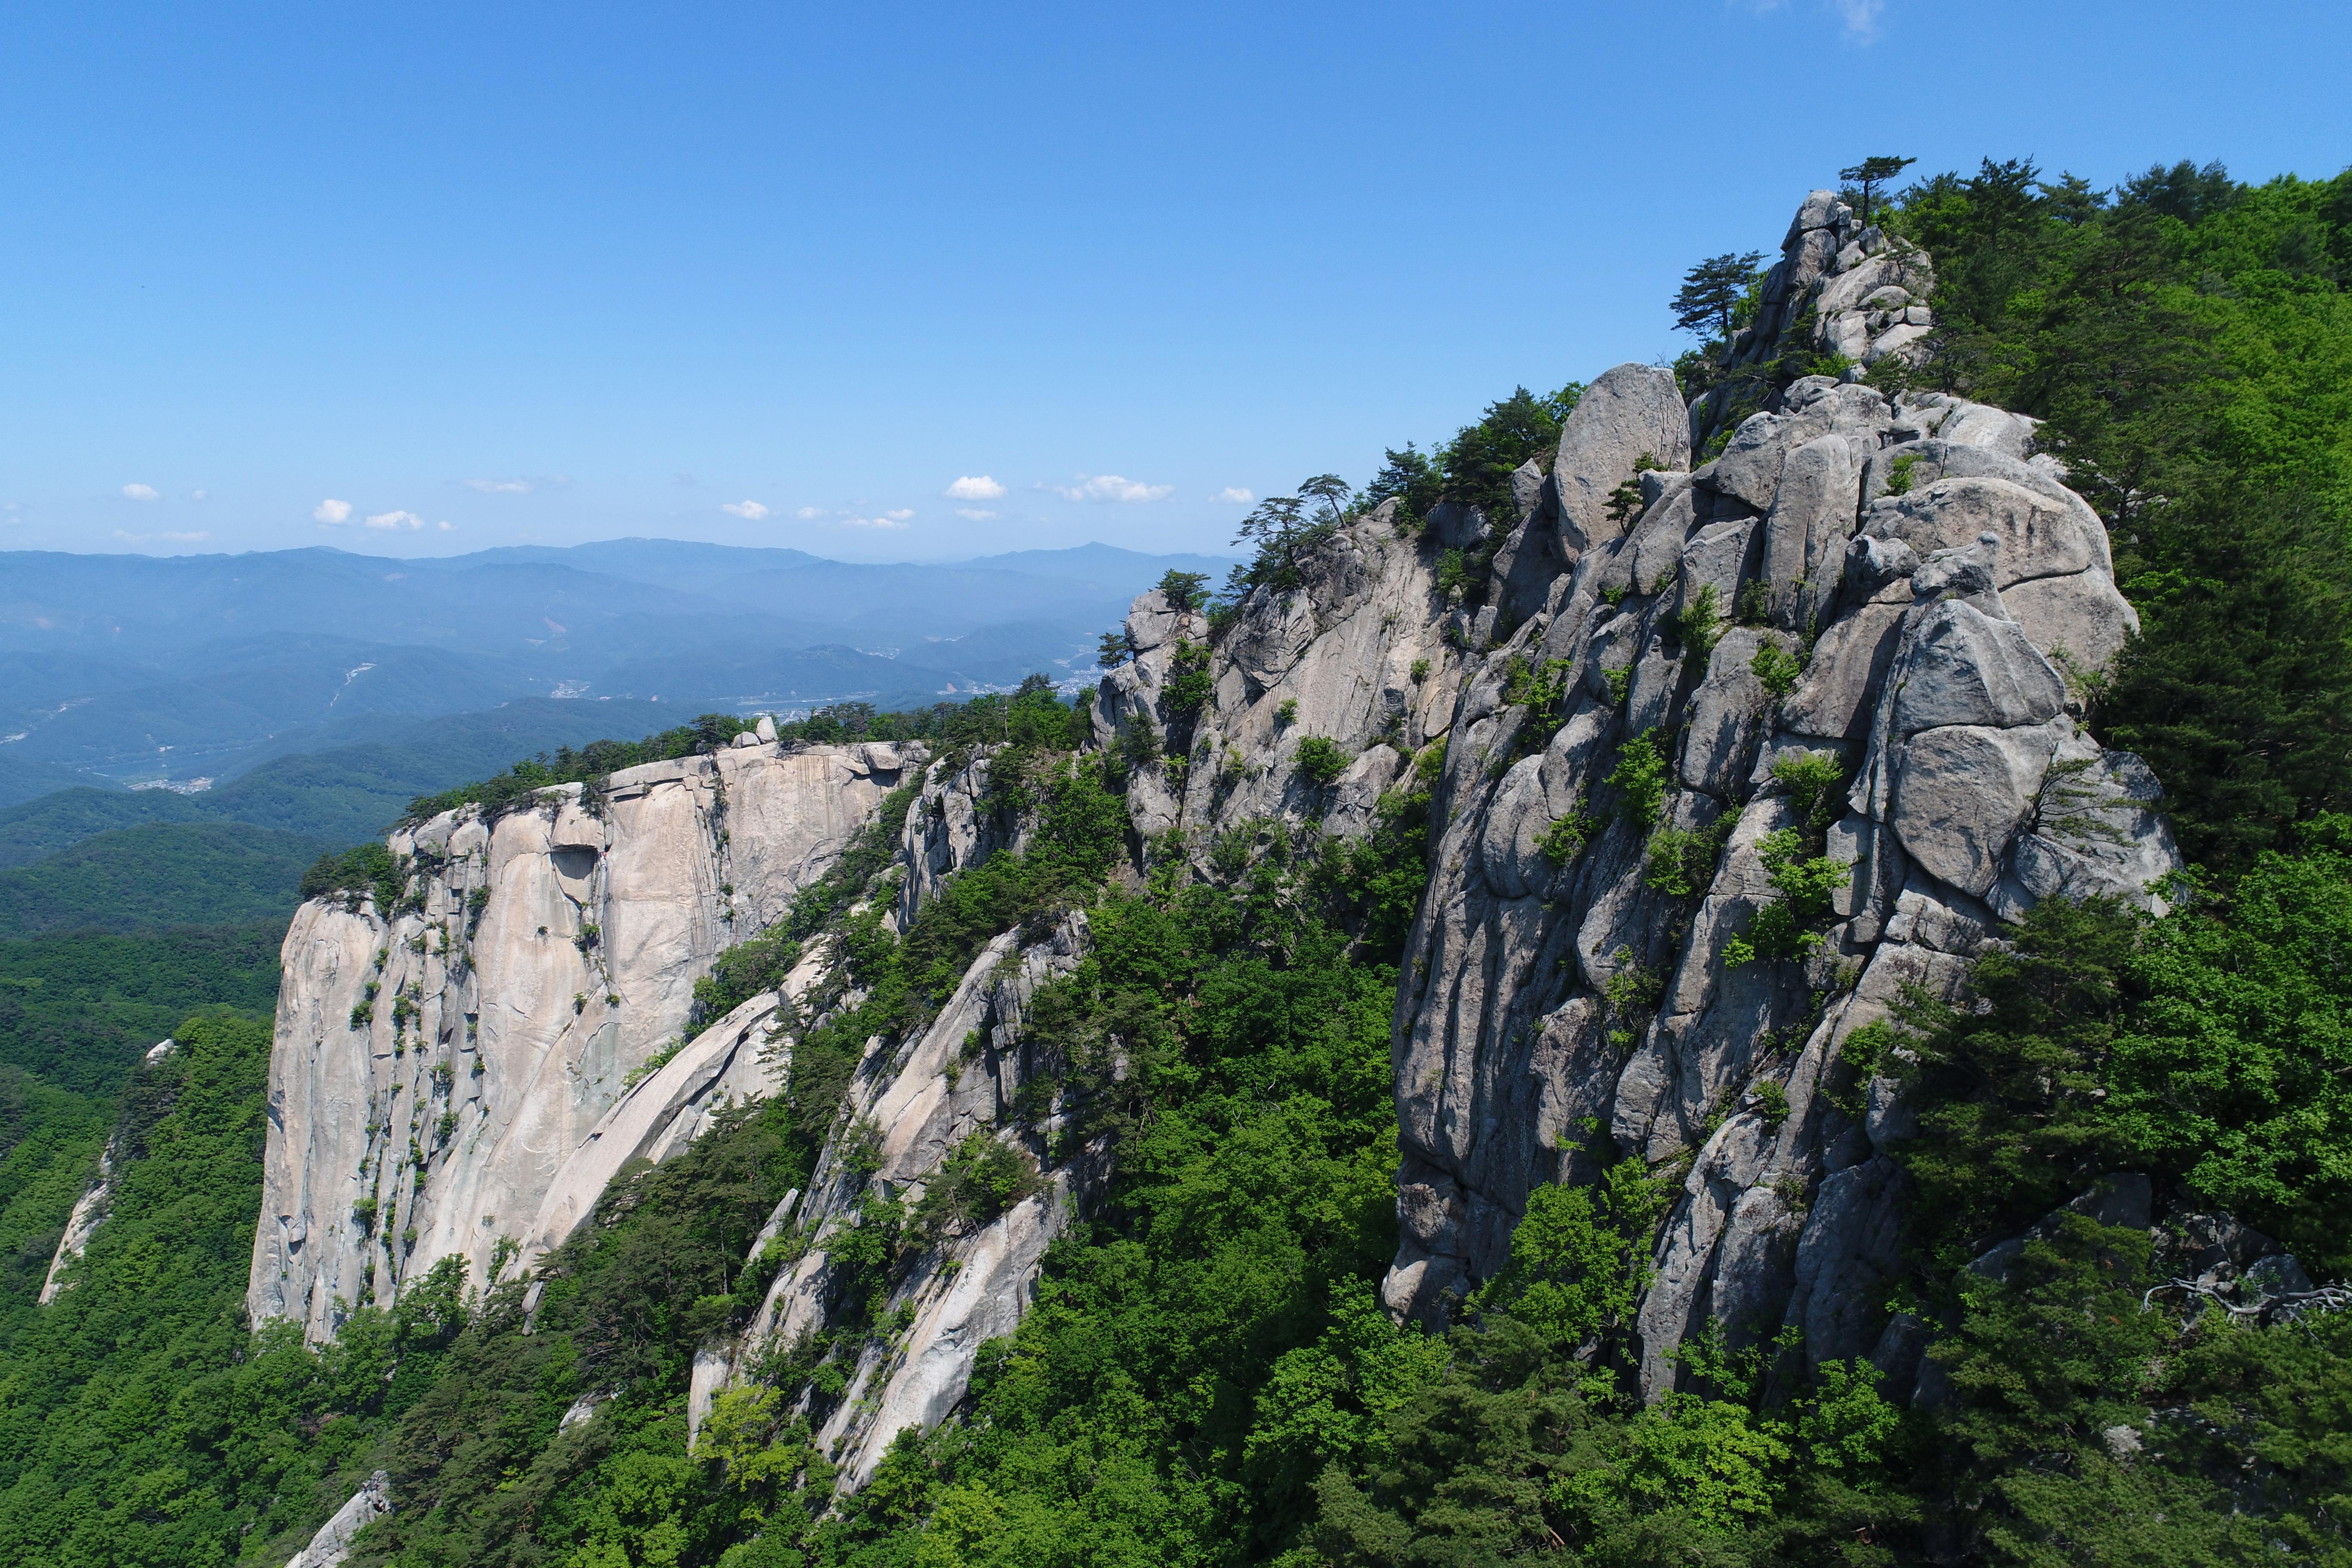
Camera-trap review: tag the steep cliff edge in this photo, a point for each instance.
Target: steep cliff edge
(438, 1065)
(1728, 728)
(1806, 735)
(1731, 757)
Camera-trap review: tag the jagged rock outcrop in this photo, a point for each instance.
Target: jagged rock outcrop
(1897, 595)
(1840, 287)
(89, 1209)
(908, 1107)
(1366, 653)
(333, 1543)
(1945, 597)
(445, 1069)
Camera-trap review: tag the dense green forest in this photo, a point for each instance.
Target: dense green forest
(1206, 1376)
(181, 873)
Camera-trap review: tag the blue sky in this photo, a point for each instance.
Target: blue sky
(546, 274)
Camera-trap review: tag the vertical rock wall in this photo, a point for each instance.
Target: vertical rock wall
(1945, 597)
(438, 1064)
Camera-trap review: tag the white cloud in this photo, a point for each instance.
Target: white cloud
(902, 515)
(749, 510)
(1111, 487)
(390, 521)
(975, 513)
(332, 510)
(200, 495)
(1861, 17)
(139, 492)
(888, 519)
(974, 487)
(810, 514)
(500, 487)
(1233, 495)
(443, 525)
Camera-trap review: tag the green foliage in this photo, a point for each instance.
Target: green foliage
(1633, 992)
(1454, 574)
(1185, 591)
(1680, 862)
(745, 970)
(1030, 716)
(1621, 683)
(1712, 290)
(1280, 530)
(1565, 839)
(652, 1064)
(1698, 624)
(1321, 757)
(1411, 480)
(1776, 669)
(194, 873)
(1138, 746)
(1813, 780)
(980, 1179)
(2239, 691)
(1478, 462)
(1190, 684)
(142, 1424)
(2209, 1047)
(2188, 340)
(1868, 175)
(1580, 1256)
(1803, 884)
(1539, 687)
(1640, 780)
(1898, 474)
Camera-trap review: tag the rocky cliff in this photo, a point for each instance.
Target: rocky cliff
(1851, 645)
(457, 1076)
(1756, 709)
(1829, 678)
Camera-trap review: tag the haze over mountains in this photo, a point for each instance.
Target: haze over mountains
(120, 669)
(295, 700)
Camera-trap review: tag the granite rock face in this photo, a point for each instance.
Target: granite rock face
(1897, 591)
(909, 1105)
(333, 1543)
(438, 1065)
(1955, 595)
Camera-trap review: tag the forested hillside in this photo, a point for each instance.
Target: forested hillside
(1207, 1373)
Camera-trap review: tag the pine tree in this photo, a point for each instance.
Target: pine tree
(1711, 289)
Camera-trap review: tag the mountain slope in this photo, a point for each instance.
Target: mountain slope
(162, 874)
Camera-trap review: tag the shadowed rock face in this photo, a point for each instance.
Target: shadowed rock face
(438, 1065)
(1953, 603)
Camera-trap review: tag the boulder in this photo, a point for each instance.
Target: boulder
(2038, 538)
(1812, 516)
(1626, 413)
(333, 1543)
(1835, 697)
(1961, 667)
(1961, 793)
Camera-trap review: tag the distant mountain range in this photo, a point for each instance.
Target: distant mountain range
(131, 668)
(313, 693)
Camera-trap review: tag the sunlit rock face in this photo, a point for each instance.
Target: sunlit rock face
(438, 1064)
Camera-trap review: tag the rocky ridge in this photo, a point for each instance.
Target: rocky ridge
(1892, 592)
(1862, 624)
